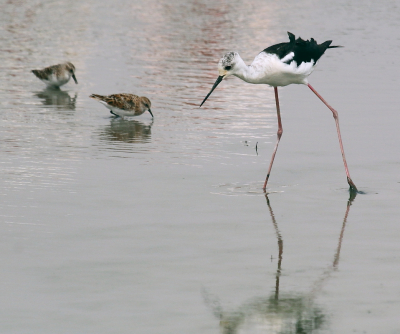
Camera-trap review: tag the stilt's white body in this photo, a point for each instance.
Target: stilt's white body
(269, 69)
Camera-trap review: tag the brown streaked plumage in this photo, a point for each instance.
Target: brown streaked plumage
(56, 75)
(124, 104)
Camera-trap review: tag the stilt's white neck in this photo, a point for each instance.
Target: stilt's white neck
(243, 71)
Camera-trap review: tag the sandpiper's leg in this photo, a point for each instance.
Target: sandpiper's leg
(336, 117)
(113, 113)
(279, 134)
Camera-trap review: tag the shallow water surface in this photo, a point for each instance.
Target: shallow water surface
(160, 225)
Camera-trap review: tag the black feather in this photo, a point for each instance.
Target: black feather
(304, 51)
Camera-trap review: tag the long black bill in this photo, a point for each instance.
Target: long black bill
(151, 113)
(73, 77)
(212, 89)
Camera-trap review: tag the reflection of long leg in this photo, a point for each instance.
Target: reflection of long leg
(327, 273)
(279, 134)
(336, 117)
(280, 247)
(353, 195)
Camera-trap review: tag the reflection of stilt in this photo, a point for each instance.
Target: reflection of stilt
(280, 246)
(327, 273)
(281, 312)
(353, 195)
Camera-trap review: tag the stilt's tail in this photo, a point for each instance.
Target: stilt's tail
(327, 45)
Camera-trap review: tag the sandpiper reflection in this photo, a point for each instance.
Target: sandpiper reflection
(279, 313)
(128, 131)
(58, 98)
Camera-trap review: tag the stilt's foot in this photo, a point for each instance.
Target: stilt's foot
(352, 185)
(353, 194)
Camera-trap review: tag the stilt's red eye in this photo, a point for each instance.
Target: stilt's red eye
(228, 68)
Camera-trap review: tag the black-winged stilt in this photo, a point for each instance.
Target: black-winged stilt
(280, 65)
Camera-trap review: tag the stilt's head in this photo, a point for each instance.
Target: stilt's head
(71, 69)
(146, 105)
(226, 67)
(226, 64)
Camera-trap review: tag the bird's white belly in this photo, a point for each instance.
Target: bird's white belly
(283, 79)
(269, 69)
(121, 112)
(54, 80)
(118, 111)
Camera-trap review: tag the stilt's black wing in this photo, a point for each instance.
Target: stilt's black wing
(304, 51)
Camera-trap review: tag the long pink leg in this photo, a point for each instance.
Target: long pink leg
(279, 133)
(336, 117)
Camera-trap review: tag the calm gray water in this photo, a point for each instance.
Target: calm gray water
(161, 226)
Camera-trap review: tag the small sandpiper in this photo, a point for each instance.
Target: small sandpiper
(56, 75)
(124, 104)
